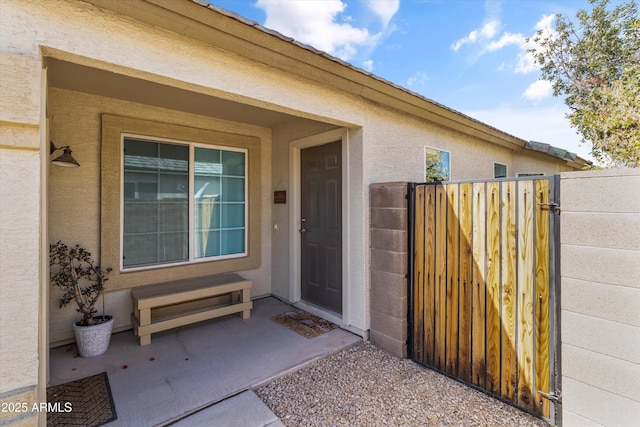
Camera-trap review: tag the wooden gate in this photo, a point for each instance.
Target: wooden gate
(484, 296)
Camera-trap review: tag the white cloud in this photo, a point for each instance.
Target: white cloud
(315, 22)
(385, 9)
(417, 80)
(525, 61)
(486, 32)
(507, 39)
(546, 25)
(489, 39)
(368, 65)
(538, 90)
(542, 124)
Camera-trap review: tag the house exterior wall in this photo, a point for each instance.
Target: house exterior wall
(600, 237)
(281, 229)
(21, 127)
(70, 223)
(394, 139)
(534, 162)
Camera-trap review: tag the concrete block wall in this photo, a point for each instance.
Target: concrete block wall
(389, 265)
(600, 297)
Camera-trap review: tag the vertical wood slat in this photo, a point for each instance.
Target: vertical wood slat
(542, 332)
(525, 292)
(419, 275)
(485, 299)
(452, 296)
(441, 276)
(494, 297)
(478, 327)
(509, 384)
(465, 220)
(429, 268)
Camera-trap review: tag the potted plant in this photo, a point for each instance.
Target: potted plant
(77, 275)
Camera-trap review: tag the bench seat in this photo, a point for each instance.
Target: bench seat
(173, 304)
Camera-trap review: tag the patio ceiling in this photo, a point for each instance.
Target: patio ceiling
(81, 78)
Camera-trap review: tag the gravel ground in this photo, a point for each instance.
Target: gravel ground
(365, 386)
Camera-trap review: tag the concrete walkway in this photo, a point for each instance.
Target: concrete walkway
(194, 375)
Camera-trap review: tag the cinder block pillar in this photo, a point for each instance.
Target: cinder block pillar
(389, 264)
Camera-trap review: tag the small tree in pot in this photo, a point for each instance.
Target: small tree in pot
(82, 280)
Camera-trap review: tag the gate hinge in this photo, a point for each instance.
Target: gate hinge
(552, 206)
(555, 397)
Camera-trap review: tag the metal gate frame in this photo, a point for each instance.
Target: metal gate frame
(553, 395)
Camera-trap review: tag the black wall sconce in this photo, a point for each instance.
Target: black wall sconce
(65, 159)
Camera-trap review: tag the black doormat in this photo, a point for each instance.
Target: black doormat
(86, 402)
(305, 324)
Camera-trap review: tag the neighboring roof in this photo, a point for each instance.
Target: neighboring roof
(551, 150)
(241, 36)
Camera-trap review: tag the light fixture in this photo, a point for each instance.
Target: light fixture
(65, 159)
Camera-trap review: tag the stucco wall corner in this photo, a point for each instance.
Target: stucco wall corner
(20, 85)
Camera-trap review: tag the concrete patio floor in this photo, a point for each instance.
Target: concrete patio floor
(201, 372)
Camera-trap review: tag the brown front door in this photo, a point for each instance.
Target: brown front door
(321, 230)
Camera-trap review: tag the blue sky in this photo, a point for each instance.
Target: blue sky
(469, 55)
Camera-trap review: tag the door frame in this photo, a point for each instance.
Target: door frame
(295, 241)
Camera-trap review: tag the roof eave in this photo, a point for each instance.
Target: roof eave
(231, 32)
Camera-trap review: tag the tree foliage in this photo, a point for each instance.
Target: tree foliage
(436, 165)
(595, 63)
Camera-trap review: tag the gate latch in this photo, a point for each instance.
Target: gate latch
(554, 207)
(555, 397)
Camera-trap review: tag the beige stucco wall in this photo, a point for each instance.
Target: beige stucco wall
(383, 146)
(21, 136)
(600, 253)
(75, 205)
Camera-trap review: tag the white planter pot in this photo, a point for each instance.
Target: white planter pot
(93, 340)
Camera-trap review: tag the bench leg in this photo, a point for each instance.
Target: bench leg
(145, 319)
(246, 297)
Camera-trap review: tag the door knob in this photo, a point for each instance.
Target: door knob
(303, 228)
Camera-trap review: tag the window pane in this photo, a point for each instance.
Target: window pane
(233, 163)
(437, 165)
(232, 241)
(499, 170)
(156, 206)
(219, 202)
(232, 216)
(232, 189)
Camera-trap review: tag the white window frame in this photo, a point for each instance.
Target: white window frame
(424, 162)
(191, 251)
(506, 169)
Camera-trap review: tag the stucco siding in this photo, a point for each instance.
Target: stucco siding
(74, 208)
(280, 228)
(20, 88)
(20, 219)
(394, 139)
(19, 268)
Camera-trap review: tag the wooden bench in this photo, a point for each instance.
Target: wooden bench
(169, 305)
